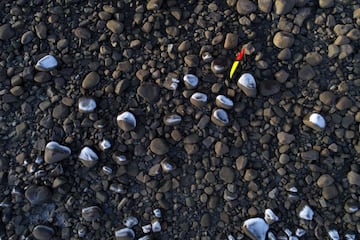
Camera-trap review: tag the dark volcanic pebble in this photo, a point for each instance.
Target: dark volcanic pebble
(90, 80)
(149, 91)
(269, 87)
(159, 146)
(43, 232)
(37, 194)
(6, 32)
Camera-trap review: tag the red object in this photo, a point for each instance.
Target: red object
(240, 55)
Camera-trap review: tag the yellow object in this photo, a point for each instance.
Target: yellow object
(233, 68)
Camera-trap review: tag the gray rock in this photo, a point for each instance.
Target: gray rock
(284, 6)
(250, 175)
(184, 46)
(285, 138)
(265, 5)
(37, 195)
(60, 111)
(330, 192)
(115, 26)
(88, 157)
(41, 30)
(42, 232)
(191, 60)
(90, 80)
(345, 51)
(245, 7)
(82, 33)
(326, 3)
(27, 37)
(313, 58)
(255, 228)
(6, 32)
(310, 155)
(269, 87)
(122, 85)
(42, 77)
(159, 146)
(231, 41)
(353, 178)
(302, 14)
(221, 149)
(91, 213)
(54, 152)
(281, 76)
(327, 98)
(205, 220)
(354, 34)
(149, 91)
(227, 174)
(333, 51)
(343, 103)
(283, 39)
(325, 180)
(306, 72)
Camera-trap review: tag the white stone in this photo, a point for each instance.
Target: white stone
(257, 227)
(350, 236)
(157, 213)
(198, 99)
(333, 234)
(191, 81)
(86, 104)
(167, 166)
(247, 80)
(206, 57)
(56, 146)
(172, 119)
(300, 232)
(104, 144)
(126, 121)
(88, 157)
(318, 120)
(107, 170)
(221, 115)
(306, 213)
(156, 226)
(130, 221)
(125, 233)
(225, 102)
(288, 232)
(270, 216)
(46, 63)
(146, 237)
(146, 228)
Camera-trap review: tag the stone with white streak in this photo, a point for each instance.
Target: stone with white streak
(255, 228)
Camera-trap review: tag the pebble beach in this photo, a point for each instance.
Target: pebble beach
(166, 119)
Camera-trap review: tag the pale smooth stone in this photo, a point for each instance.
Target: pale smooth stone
(88, 157)
(306, 213)
(198, 99)
(256, 227)
(191, 81)
(86, 104)
(126, 121)
(46, 63)
(317, 119)
(224, 102)
(220, 117)
(124, 233)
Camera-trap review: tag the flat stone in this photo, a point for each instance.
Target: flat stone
(88, 157)
(325, 180)
(154, 5)
(343, 103)
(184, 46)
(125, 234)
(91, 213)
(250, 175)
(247, 84)
(6, 32)
(122, 85)
(159, 146)
(313, 58)
(327, 98)
(330, 192)
(54, 152)
(221, 148)
(306, 72)
(285, 138)
(27, 37)
(149, 91)
(310, 155)
(269, 87)
(227, 174)
(82, 33)
(283, 39)
(231, 41)
(326, 3)
(43, 232)
(245, 7)
(60, 111)
(126, 121)
(353, 178)
(41, 30)
(115, 26)
(17, 90)
(191, 60)
(37, 195)
(265, 5)
(284, 6)
(42, 77)
(46, 63)
(90, 80)
(241, 163)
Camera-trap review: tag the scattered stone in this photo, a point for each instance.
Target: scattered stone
(270, 216)
(104, 144)
(227, 174)
(184, 46)
(315, 121)
(269, 87)
(159, 146)
(306, 72)
(191, 60)
(191, 81)
(124, 234)
(54, 152)
(149, 91)
(283, 39)
(327, 98)
(42, 77)
(313, 58)
(333, 51)
(88, 157)
(82, 33)
(46, 63)
(245, 7)
(155, 226)
(310, 155)
(219, 65)
(353, 178)
(330, 192)
(27, 37)
(41, 30)
(224, 102)
(198, 99)
(265, 5)
(154, 5)
(255, 228)
(220, 117)
(306, 213)
(172, 119)
(115, 26)
(231, 41)
(90, 80)
(284, 6)
(326, 3)
(247, 84)
(126, 121)
(130, 221)
(221, 148)
(42, 232)
(167, 165)
(90, 214)
(285, 138)
(37, 195)
(343, 103)
(6, 32)
(324, 180)
(205, 220)
(250, 175)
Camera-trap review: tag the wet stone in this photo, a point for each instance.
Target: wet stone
(159, 146)
(91, 80)
(149, 91)
(37, 195)
(54, 152)
(91, 213)
(43, 232)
